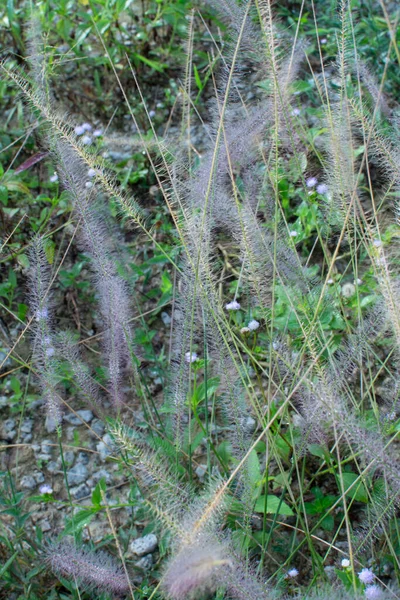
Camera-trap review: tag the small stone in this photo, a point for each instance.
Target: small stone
(78, 474)
(9, 425)
(201, 471)
(69, 457)
(28, 482)
(97, 427)
(80, 491)
(102, 474)
(144, 545)
(39, 477)
(27, 426)
(83, 458)
(46, 446)
(85, 415)
(45, 526)
(104, 448)
(145, 563)
(50, 424)
(166, 319)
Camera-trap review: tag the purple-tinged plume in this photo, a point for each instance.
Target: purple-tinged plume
(90, 569)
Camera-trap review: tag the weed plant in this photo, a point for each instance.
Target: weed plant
(271, 467)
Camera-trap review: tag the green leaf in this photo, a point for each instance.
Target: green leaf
(358, 492)
(79, 521)
(97, 492)
(272, 505)
(8, 564)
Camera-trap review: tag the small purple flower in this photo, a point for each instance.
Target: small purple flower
(152, 114)
(311, 182)
(322, 189)
(191, 357)
(97, 133)
(296, 112)
(293, 572)
(50, 352)
(86, 140)
(366, 576)
(253, 325)
(86, 126)
(79, 130)
(373, 592)
(293, 233)
(54, 178)
(92, 172)
(88, 185)
(233, 305)
(46, 489)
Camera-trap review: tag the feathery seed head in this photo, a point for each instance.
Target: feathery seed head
(194, 571)
(92, 569)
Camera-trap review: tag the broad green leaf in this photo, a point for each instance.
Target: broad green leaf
(273, 505)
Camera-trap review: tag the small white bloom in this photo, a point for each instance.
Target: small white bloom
(373, 592)
(79, 130)
(191, 357)
(377, 243)
(366, 576)
(86, 140)
(91, 172)
(348, 290)
(296, 112)
(293, 233)
(311, 182)
(323, 41)
(358, 282)
(253, 325)
(152, 114)
(86, 126)
(293, 573)
(322, 188)
(50, 352)
(97, 132)
(45, 489)
(234, 305)
(330, 281)
(245, 330)
(54, 178)
(88, 184)
(345, 563)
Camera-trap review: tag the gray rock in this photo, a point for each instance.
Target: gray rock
(8, 425)
(46, 446)
(9, 435)
(80, 491)
(86, 416)
(27, 426)
(45, 525)
(102, 473)
(69, 457)
(145, 563)
(83, 457)
(166, 319)
(28, 482)
(105, 447)
(144, 545)
(98, 427)
(201, 471)
(39, 477)
(27, 438)
(52, 466)
(50, 424)
(78, 474)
